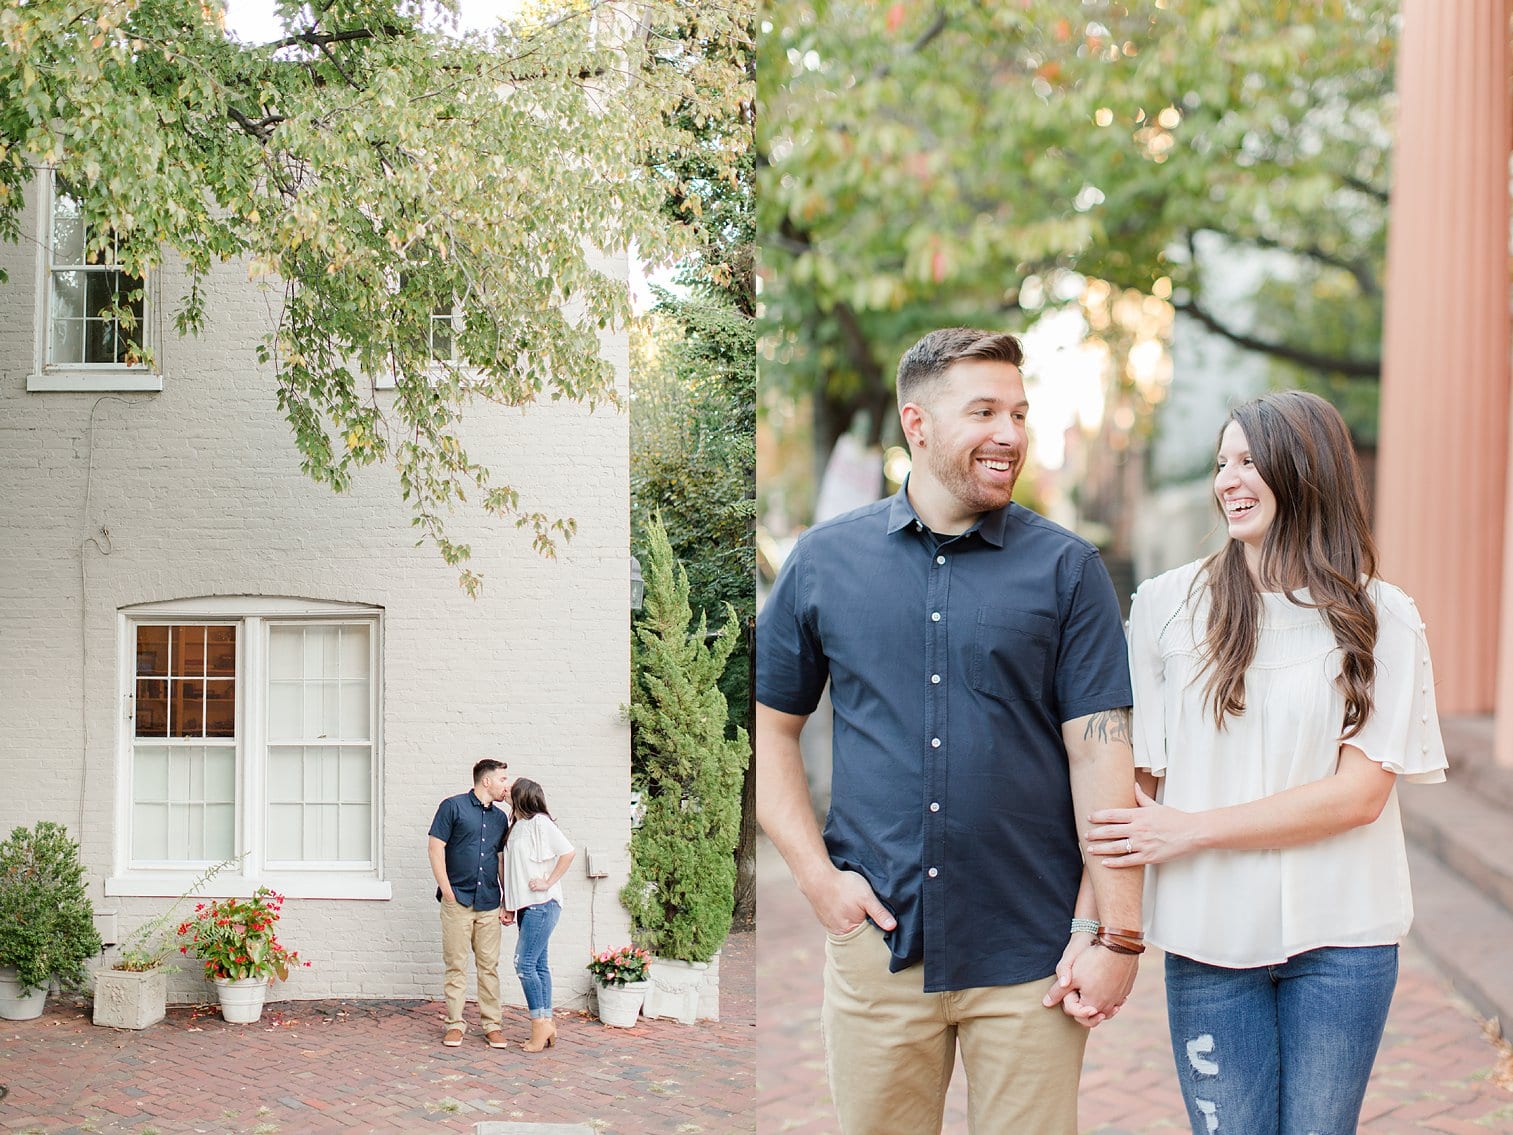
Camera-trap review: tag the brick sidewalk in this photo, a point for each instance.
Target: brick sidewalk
(378, 1066)
(1433, 1073)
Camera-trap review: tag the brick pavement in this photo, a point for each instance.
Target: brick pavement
(1434, 1073)
(378, 1066)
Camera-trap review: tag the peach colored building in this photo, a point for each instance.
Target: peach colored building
(1444, 505)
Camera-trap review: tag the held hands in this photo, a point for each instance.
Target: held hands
(506, 917)
(1092, 982)
(843, 900)
(1151, 833)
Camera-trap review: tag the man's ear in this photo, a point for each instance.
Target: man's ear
(913, 417)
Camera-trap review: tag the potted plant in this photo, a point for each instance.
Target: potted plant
(133, 992)
(242, 954)
(47, 926)
(681, 891)
(620, 982)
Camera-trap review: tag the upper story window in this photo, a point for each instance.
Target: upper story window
(93, 319)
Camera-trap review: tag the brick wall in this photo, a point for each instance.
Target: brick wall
(200, 489)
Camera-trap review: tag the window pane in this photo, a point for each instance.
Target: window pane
(316, 649)
(152, 651)
(354, 652)
(221, 651)
(285, 710)
(189, 650)
(150, 778)
(149, 828)
(151, 716)
(285, 824)
(65, 344)
(220, 774)
(220, 709)
(354, 711)
(330, 707)
(68, 231)
(285, 650)
(355, 839)
(220, 831)
(187, 713)
(178, 774)
(99, 293)
(286, 777)
(356, 775)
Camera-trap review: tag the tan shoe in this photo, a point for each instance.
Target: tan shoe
(543, 1035)
(453, 1039)
(495, 1037)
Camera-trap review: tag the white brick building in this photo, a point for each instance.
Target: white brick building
(202, 651)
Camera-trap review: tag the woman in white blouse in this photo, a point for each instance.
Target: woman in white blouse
(536, 856)
(1280, 691)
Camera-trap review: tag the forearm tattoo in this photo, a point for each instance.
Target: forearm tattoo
(1109, 725)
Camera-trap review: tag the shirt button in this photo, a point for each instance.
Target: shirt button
(934, 742)
(932, 872)
(940, 559)
(934, 807)
(934, 679)
(935, 616)
(918, 527)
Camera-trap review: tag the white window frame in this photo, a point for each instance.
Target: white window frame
(253, 616)
(108, 377)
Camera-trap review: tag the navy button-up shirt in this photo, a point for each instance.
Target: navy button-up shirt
(474, 836)
(952, 663)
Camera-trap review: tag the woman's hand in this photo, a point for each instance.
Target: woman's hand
(539, 884)
(1151, 833)
(1061, 992)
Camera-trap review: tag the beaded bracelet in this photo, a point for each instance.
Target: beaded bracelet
(1085, 926)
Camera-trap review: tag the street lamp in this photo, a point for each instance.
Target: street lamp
(637, 584)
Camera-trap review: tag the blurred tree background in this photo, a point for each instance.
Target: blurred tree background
(1003, 164)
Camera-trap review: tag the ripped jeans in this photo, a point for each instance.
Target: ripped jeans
(1283, 1049)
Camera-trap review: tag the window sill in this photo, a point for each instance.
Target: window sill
(95, 381)
(290, 884)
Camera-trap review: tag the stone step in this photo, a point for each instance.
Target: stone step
(1466, 933)
(1470, 834)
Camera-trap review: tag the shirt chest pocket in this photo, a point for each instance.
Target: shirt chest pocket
(1012, 654)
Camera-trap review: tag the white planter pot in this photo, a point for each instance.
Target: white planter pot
(620, 1005)
(128, 999)
(13, 1005)
(242, 1001)
(684, 991)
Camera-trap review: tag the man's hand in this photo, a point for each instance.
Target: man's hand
(506, 917)
(842, 900)
(1061, 991)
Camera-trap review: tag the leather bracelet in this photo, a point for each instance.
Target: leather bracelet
(1119, 945)
(1134, 934)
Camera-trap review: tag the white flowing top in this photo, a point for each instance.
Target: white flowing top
(530, 853)
(1252, 908)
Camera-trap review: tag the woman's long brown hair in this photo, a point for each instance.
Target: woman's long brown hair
(527, 799)
(1319, 539)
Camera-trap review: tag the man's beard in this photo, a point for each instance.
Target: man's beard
(962, 483)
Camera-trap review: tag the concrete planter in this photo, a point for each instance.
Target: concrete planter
(683, 991)
(127, 999)
(15, 1005)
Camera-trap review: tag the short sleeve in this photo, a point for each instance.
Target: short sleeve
(791, 664)
(1402, 734)
(441, 825)
(551, 842)
(1092, 672)
(1147, 676)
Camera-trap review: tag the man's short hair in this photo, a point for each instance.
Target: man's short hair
(933, 355)
(486, 766)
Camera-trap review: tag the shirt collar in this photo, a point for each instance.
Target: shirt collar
(473, 796)
(991, 527)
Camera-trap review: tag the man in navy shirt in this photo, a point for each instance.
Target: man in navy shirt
(976, 661)
(465, 846)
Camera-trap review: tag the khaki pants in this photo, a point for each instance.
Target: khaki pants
(891, 1046)
(463, 931)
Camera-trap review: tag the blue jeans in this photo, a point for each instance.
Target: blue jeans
(1279, 1050)
(536, 924)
